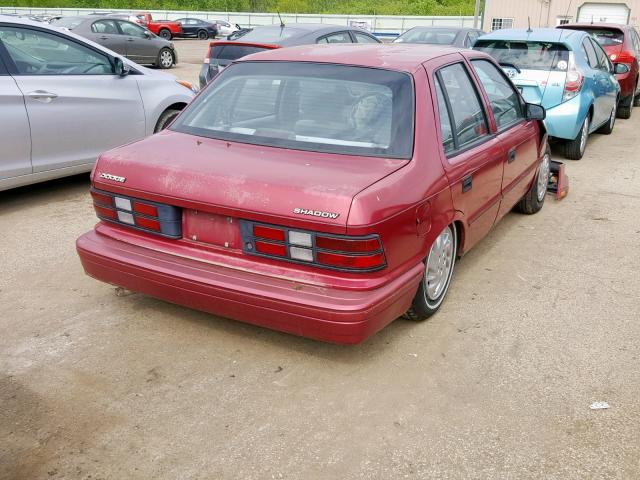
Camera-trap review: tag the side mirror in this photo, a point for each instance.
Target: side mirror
(621, 68)
(535, 112)
(120, 68)
(147, 34)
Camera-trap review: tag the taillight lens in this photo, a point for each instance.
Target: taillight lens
(574, 80)
(152, 217)
(337, 252)
(623, 57)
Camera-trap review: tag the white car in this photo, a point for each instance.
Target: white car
(64, 100)
(225, 28)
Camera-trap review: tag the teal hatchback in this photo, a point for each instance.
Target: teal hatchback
(566, 72)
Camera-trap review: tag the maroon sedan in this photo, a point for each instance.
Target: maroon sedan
(622, 44)
(320, 190)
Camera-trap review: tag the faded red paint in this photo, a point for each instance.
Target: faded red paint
(406, 203)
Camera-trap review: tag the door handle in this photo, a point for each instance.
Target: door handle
(511, 156)
(104, 37)
(130, 40)
(466, 183)
(42, 96)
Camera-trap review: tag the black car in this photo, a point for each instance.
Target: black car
(241, 44)
(454, 36)
(194, 27)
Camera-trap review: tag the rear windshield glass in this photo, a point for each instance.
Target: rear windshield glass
(436, 37)
(269, 35)
(526, 55)
(307, 106)
(607, 38)
(233, 52)
(69, 22)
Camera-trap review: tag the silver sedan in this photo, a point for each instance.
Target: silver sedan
(64, 100)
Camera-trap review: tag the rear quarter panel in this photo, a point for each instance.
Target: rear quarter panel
(159, 93)
(410, 207)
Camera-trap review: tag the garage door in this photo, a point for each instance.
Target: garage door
(603, 12)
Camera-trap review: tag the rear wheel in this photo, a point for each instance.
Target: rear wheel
(533, 200)
(165, 33)
(574, 149)
(166, 58)
(607, 128)
(203, 34)
(636, 97)
(437, 276)
(165, 119)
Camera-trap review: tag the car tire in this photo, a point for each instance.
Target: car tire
(607, 128)
(574, 149)
(439, 266)
(533, 200)
(203, 34)
(165, 33)
(165, 119)
(636, 97)
(166, 58)
(625, 108)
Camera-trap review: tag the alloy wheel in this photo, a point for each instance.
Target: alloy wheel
(439, 265)
(543, 176)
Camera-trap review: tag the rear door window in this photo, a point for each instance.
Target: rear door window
(469, 121)
(342, 37)
(105, 26)
(446, 130)
(363, 38)
(505, 101)
(590, 52)
(603, 60)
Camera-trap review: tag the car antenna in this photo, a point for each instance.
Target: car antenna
(529, 21)
(281, 22)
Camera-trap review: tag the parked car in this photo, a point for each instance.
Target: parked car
(126, 38)
(221, 53)
(194, 27)
(225, 28)
(456, 37)
(65, 99)
(622, 44)
(166, 29)
(565, 71)
(321, 191)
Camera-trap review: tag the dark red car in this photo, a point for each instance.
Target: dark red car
(622, 44)
(320, 190)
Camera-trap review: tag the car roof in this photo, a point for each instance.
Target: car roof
(452, 28)
(536, 34)
(392, 56)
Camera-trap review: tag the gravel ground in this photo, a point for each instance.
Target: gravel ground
(542, 320)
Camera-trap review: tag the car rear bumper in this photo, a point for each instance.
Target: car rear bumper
(314, 311)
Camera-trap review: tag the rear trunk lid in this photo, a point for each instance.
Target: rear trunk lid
(272, 185)
(541, 87)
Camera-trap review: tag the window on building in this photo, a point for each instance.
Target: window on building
(499, 23)
(563, 20)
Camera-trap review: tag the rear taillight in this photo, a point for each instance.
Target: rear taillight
(623, 57)
(336, 252)
(207, 58)
(151, 217)
(574, 80)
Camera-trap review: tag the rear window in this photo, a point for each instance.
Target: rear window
(69, 23)
(233, 52)
(435, 37)
(606, 38)
(269, 34)
(527, 55)
(307, 106)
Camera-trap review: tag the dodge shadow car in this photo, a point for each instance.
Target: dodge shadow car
(321, 190)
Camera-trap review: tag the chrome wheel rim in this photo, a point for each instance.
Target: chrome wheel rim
(543, 176)
(166, 59)
(439, 265)
(584, 134)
